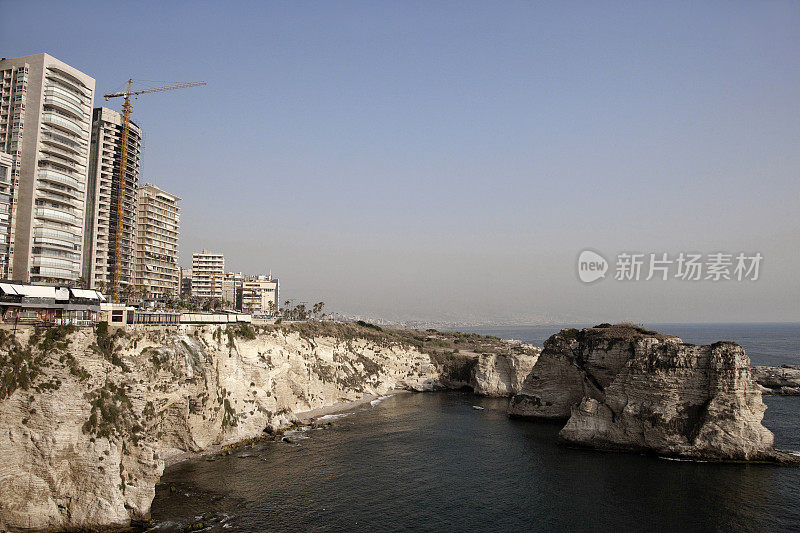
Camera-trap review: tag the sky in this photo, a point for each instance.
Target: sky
(450, 160)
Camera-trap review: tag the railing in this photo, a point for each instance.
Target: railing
(64, 141)
(63, 93)
(58, 120)
(76, 158)
(63, 178)
(73, 321)
(52, 213)
(61, 102)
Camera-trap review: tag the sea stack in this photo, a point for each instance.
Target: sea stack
(623, 387)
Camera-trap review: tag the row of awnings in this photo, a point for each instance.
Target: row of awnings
(56, 293)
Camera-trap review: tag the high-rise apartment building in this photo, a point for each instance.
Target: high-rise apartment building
(45, 124)
(102, 201)
(156, 270)
(208, 271)
(5, 212)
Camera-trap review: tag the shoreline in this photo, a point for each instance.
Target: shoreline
(301, 418)
(306, 417)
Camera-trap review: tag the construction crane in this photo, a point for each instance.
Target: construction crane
(127, 111)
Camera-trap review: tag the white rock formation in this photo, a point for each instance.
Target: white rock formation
(626, 388)
(85, 444)
(503, 374)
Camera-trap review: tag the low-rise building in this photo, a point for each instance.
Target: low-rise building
(259, 295)
(48, 305)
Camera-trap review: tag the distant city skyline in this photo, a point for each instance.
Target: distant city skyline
(450, 160)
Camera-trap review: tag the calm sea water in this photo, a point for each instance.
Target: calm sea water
(430, 462)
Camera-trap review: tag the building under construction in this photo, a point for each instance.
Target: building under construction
(105, 189)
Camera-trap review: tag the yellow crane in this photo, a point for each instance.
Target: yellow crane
(127, 111)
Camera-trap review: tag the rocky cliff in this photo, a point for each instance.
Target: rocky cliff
(574, 364)
(89, 418)
(625, 388)
(503, 374)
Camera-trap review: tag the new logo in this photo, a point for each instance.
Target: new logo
(591, 266)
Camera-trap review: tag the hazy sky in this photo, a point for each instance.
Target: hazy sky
(451, 159)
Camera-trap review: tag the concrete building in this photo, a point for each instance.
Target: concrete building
(259, 295)
(208, 272)
(102, 195)
(5, 212)
(45, 124)
(186, 282)
(230, 283)
(156, 270)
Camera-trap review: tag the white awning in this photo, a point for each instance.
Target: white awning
(89, 295)
(62, 293)
(7, 288)
(35, 291)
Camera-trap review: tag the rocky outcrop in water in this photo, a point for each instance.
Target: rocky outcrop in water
(625, 388)
(503, 374)
(573, 365)
(783, 380)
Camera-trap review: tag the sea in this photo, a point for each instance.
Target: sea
(453, 461)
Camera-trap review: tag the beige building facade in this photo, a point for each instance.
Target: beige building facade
(156, 271)
(208, 273)
(260, 295)
(45, 125)
(5, 212)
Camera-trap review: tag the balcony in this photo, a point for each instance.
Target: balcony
(66, 264)
(51, 189)
(45, 232)
(59, 177)
(66, 95)
(68, 83)
(59, 216)
(69, 203)
(64, 105)
(64, 142)
(63, 156)
(61, 122)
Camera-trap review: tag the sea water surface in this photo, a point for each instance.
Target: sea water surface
(432, 462)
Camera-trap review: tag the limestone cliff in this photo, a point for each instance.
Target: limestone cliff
(88, 419)
(626, 388)
(503, 374)
(574, 364)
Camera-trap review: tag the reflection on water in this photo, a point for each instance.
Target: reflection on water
(431, 462)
